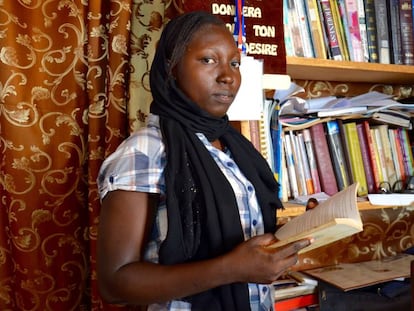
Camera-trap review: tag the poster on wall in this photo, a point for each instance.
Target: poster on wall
(263, 21)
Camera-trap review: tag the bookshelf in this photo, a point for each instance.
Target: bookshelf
(358, 78)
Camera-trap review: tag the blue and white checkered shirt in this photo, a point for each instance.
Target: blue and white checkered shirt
(138, 165)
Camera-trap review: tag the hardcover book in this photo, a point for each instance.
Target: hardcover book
(323, 159)
(331, 30)
(383, 40)
(355, 156)
(406, 24)
(371, 30)
(337, 154)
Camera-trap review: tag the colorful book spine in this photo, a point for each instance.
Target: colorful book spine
(372, 155)
(292, 31)
(299, 169)
(395, 31)
(363, 29)
(406, 24)
(383, 40)
(290, 164)
(352, 17)
(399, 151)
(389, 162)
(355, 155)
(285, 176)
(304, 28)
(366, 154)
(331, 30)
(339, 20)
(407, 151)
(323, 159)
(306, 167)
(337, 154)
(380, 154)
(312, 160)
(277, 146)
(399, 166)
(315, 26)
(287, 24)
(371, 30)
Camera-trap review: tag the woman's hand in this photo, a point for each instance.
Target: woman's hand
(254, 262)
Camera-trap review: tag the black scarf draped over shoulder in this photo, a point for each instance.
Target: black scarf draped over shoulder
(203, 217)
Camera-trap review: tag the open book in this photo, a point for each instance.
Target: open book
(334, 219)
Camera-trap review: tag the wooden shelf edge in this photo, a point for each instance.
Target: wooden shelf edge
(345, 71)
(293, 209)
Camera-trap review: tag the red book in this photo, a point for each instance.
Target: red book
(331, 31)
(323, 159)
(372, 157)
(296, 302)
(406, 25)
(366, 154)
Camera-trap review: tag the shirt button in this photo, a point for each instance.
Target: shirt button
(230, 164)
(249, 188)
(264, 289)
(254, 222)
(111, 179)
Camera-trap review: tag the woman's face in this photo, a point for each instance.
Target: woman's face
(209, 72)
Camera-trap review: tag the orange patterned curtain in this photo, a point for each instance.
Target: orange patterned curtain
(67, 70)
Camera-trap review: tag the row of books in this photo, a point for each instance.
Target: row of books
(329, 156)
(379, 31)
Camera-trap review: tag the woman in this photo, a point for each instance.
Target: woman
(188, 204)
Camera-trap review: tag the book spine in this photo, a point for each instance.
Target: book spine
(288, 34)
(389, 162)
(399, 147)
(331, 30)
(399, 171)
(352, 16)
(366, 158)
(380, 154)
(337, 14)
(371, 30)
(315, 25)
(293, 32)
(395, 31)
(372, 155)
(383, 41)
(304, 28)
(324, 30)
(323, 159)
(407, 40)
(277, 145)
(337, 154)
(285, 175)
(312, 160)
(290, 163)
(300, 173)
(363, 29)
(355, 155)
(306, 168)
(407, 151)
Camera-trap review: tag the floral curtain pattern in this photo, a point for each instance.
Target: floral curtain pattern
(64, 82)
(73, 85)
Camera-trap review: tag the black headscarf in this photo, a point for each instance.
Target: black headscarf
(203, 216)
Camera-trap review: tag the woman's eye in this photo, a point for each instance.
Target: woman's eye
(236, 64)
(208, 60)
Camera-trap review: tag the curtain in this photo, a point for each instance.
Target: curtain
(73, 85)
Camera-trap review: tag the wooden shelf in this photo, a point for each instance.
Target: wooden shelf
(345, 71)
(292, 209)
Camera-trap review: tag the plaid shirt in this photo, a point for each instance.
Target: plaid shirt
(138, 165)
